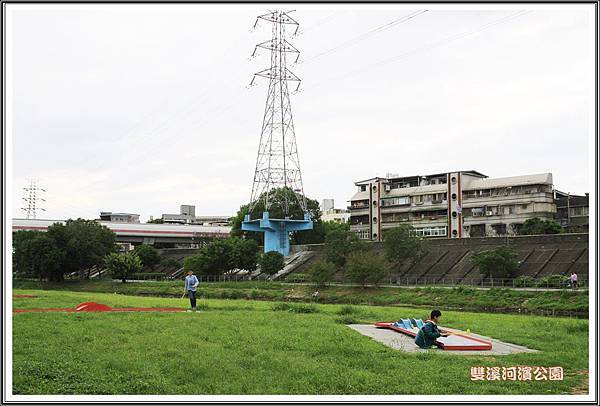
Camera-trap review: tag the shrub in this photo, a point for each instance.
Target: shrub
(121, 265)
(346, 310)
(537, 226)
(552, 281)
(499, 262)
(148, 255)
(271, 262)
(297, 278)
(524, 281)
(346, 320)
(366, 268)
(281, 307)
(321, 272)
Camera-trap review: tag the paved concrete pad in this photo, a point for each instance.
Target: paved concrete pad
(399, 341)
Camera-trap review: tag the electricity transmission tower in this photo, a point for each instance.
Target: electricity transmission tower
(277, 164)
(31, 199)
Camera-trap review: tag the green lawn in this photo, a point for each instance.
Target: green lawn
(249, 347)
(458, 298)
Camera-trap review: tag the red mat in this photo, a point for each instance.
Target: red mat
(454, 342)
(99, 307)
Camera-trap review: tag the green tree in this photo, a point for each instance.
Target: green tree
(271, 262)
(537, 226)
(401, 244)
(243, 253)
(121, 265)
(339, 243)
(155, 221)
(366, 268)
(36, 254)
(500, 262)
(148, 255)
(321, 272)
(84, 243)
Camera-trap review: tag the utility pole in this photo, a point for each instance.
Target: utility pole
(31, 199)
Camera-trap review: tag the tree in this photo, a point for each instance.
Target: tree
(63, 249)
(339, 243)
(319, 232)
(321, 272)
(366, 268)
(121, 265)
(155, 221)
(271, 262)
(277, 211)
(500, 262)
(243, 254)
(537, 226)
(400, 244)
(223, 255)
(148, 255)
(35, 254)
(85, 243)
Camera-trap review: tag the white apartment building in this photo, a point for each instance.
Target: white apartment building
(452, 205)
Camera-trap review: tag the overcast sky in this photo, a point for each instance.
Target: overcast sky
(141, 108)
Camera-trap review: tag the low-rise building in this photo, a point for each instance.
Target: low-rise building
(330, 213)
(119, 217)
(187, 215)
(452, 205)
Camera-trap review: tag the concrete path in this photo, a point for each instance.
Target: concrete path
(399, 341)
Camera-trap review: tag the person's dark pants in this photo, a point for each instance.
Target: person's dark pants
(192, 298)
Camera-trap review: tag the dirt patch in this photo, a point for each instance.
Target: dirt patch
(23, 296)
(584, 388)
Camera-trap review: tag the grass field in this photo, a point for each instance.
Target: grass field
(261, 347)
(459, 298)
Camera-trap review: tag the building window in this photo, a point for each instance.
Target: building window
(395, 201)
(500, 229)
(430, 232)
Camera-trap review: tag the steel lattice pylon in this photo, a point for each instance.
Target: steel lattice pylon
(277, 163)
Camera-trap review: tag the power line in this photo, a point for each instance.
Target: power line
(367, 34)
(431, 45)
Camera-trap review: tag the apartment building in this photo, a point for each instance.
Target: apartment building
(572, 211)
(452, 205)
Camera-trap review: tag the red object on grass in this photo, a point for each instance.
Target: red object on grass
(99, 307)
(454, 342)
(23, 296)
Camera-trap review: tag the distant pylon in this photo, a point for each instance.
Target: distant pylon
(277, 163)
(31, 199)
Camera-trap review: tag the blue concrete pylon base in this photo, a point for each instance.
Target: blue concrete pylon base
(277, 231)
